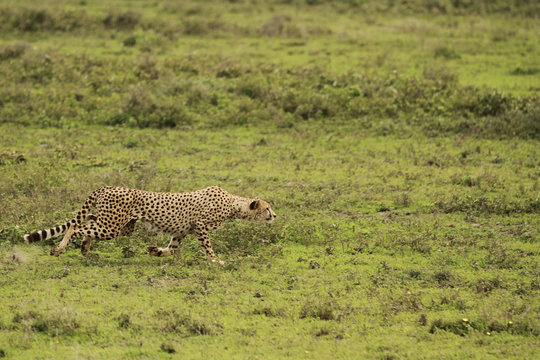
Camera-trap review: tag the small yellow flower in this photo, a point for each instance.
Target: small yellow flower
(510, 322)
(408, 292)
(465, 320)
(488, 333)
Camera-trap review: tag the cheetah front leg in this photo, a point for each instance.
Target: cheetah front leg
(201, 230)
(169, 250)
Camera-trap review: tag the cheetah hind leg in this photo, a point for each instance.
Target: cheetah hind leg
(68, 236)
(85, 245)
(87, 241)
(169, 250)
(128, 228)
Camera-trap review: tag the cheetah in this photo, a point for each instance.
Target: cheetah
(177, 214)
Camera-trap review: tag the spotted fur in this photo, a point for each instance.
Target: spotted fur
(178, 214)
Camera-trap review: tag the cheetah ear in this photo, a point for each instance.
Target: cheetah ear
(254, 204)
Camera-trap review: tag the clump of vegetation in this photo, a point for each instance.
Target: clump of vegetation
(33, 20)
(443, 277)
(128, 251)
(187, 325)
(168, 348)
(58, 323)
(319, 310)
(130, 41)
(324, 308)
(458, 327)
(447, 53)
(281, 25)
(142, 109)
(270, 311)
(465, 326)
(482, 204)
(13, 50)
(122, 20)
(525, 71)
(488, 285)
(124, 321)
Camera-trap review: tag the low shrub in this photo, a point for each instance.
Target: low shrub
(482, 204)
(121, 20)
(59, 323)
(13, 50)
(465, 327)
(319, 310)
(185, 324)
(32, 20)
(324, 308)
(142, 109)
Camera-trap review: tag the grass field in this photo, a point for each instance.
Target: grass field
(398, 144)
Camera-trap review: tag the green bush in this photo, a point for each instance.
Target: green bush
(121, 20)
(58, 323)
(142, 109)
(31, 20)
(185, 324)
(13, 50)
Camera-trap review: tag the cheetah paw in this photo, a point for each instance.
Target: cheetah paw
(217, 261)
(56, 251)
(154, 251)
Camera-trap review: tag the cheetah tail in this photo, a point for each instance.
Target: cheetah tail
(46, 234)
(61, 229)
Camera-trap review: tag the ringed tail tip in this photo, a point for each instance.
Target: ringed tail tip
(32, 238)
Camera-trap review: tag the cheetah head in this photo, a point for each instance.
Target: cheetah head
(261, 210)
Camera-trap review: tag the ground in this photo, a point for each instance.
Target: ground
(398, 145)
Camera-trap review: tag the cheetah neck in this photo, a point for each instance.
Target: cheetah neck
(240, 207)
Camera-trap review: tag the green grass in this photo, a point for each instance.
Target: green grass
(407, 200)
(372, 235)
